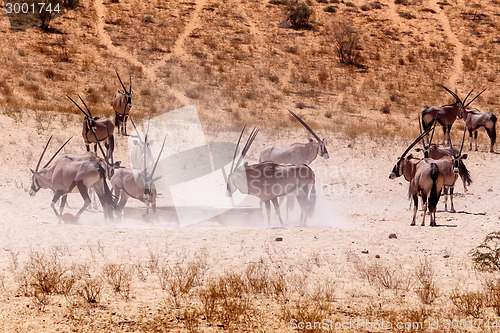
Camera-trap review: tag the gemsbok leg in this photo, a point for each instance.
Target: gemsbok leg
(277, 209)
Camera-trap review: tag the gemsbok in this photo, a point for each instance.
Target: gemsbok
(476, 119)
(268, 181)
(70, 171)
(425, 180)
(450, 167)
(446, 114)
(137, 184)
(296, 154)
(434, 152)
(97, 129)
(122, 103)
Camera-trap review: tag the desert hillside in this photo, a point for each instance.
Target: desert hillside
(234, 61)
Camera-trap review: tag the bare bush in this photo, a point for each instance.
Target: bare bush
(347, 44)
(298, 14)
(41, 274)
(90, 290)
(225, 299)
(470, 303)
(428, 290)
(119, 277)
(178, 279)
(257, 274)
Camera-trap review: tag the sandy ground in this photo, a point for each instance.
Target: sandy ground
(358, 208)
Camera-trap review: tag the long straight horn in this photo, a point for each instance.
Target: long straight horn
(449, 138)
(86, 107)
(78, 106)
(236, 149)
(305, 125)
(463, 138)
(43, 153)
(475, 98)
(470, 92)
(147, 128)
(415, 142)
(420, 128)
(158, 158)
(252, 136)
(133, 124)
(130, 80)
(125, 89)
(57, 152)
(100, 147)
(432, 134)
(452, 94)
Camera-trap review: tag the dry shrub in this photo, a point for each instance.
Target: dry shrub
(491, 287)
(41, 274)
(90, 290)
(257, 274)
(380, 275)
(347, 44)
(298, 14)
(469, 303)
(224, 299)
(119, 277)
(428, 290)
(178, 279)
(307, 311)
(49, 73)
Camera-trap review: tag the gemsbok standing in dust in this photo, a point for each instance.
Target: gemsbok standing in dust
(268, 181)
(122, 103)
(296, 154)
(436, 153)
(70, 171)
(425, 180)
(137, 184)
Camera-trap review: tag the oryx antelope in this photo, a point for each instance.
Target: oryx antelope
(450, 167)
(122, 103)
(268, 181)
(476, 119)
(70, 171)
(425, 180)
(446, 114)
(434, 152)
(296, 154)
(136, 184)
(97, 129)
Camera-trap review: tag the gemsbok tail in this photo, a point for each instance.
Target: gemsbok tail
(493, 131)
(464, 173)
(107, 198)
(434, 195)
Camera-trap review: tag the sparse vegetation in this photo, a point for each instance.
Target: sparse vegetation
(298, 14)
(347, 44)
(486, 256)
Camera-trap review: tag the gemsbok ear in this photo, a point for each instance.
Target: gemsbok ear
(33, 171)
(311, 140)
(409, 157)
(418, 149)
(464, 156)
